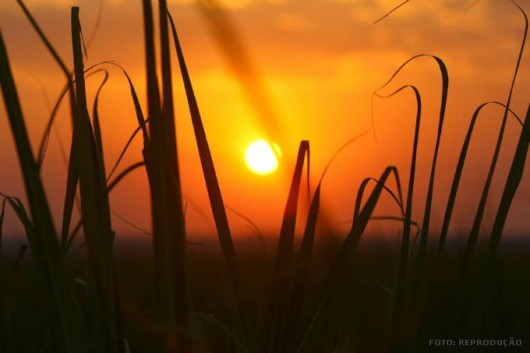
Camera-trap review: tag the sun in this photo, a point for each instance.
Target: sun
(261, 157)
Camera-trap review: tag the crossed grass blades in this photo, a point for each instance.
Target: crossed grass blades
(87, 312)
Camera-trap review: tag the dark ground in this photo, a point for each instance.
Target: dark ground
(504, 301)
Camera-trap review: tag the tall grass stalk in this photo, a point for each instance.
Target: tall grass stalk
(512, 183)
(42, 236)
(95, 209)
(73, 177)
(214, 191)
(417, 291)
(275, 324)
(475, 295)
(403, 262)
(465, 281)
(328, 304)
(301, 268)
(456, 180)
(473, 236)
(169, 238)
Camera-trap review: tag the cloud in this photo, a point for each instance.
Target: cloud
(291, 22)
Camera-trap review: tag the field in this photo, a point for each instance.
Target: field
(81, 288)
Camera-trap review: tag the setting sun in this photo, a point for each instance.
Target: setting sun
(261, 157)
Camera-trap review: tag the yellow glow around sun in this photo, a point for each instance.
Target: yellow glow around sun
(261, 157)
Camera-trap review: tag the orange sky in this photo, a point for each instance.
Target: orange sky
(318, 62)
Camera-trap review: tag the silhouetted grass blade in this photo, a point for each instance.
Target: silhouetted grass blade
(458, 175)
(277, 318)
(73, 177)
(298, 293)
(210, 175)
(478, 220)
(44, 245)
(95, 209)
(512, 183)
(418, 289)
(212, 185)
(331, 295)
(183, 305)
(169, 238)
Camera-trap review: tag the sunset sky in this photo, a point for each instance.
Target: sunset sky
(304, 69)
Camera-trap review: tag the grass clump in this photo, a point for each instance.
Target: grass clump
(301, 311)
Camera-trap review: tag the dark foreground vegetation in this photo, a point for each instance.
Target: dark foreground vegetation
(350, 294)
(364, 324)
